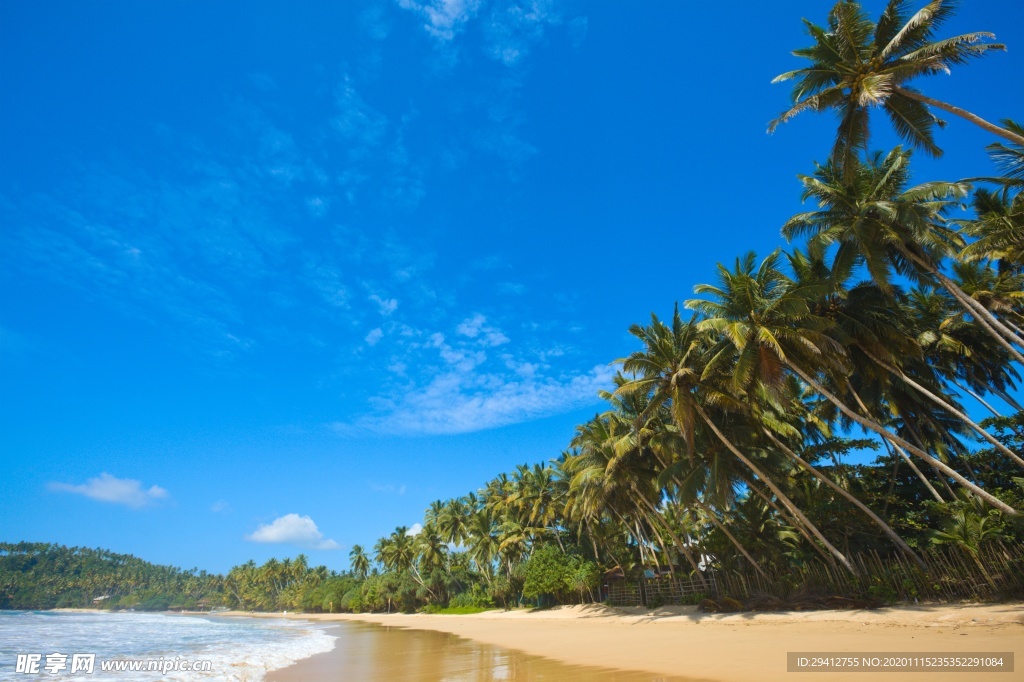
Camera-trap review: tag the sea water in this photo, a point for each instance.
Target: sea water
(238, 649)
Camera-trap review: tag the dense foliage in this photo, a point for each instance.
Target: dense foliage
(46, 576)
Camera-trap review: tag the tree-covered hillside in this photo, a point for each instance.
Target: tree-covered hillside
(44, 576)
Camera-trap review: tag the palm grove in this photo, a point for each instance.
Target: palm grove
(725, 446)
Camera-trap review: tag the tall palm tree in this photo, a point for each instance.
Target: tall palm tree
(759, 311)
(453, 519)
(873, 218)
(998, 228)
(857, 64)
(482, 541)
(359, 561)
(674, 366)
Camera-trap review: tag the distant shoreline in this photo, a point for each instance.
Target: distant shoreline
(681, 641)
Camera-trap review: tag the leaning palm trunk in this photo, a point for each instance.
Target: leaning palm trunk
(893, 535)
(725, 531)
(896, 440)
(1009, 401)
(962, 113)
(1000, 332)
(977, 397)
(916, 436)
(948, 408)
(777, 491)
(895, 450)
(920, 475)
(790, 520)
(675, 538)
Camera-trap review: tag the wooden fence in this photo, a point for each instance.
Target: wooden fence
(661, 591)
(953, 573)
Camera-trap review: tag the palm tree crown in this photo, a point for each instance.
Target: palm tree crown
(857, 64)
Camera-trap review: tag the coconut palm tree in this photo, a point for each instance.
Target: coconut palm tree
(857, 64)
(482, 541)
(760, 312)
(998, 228)
(359, 561)
(675, 366)
(871, 217)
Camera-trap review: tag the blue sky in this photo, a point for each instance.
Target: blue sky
(288, 272)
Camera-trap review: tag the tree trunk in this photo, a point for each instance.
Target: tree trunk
(920, 475)
(791, 521)
(675, 539)
(1003, 336)
(893, 535)
(777, 491)
(948, 408)
(1008, 399)
(721, 526)
(916, 436)
(889, 447)
(896, 440)
(976, 397)
(964, 114)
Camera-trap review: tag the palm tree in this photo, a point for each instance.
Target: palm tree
(760, 312)
(998, 228)
(482, 540)
(674, 366)
(857, 64)
(359, 561)
(453, 519)
(872, 218)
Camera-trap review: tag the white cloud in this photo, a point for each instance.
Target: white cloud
(107, 488)
(374, 336)
(462, 402)
(415, 529)
(388, 488)
(477, 326)
(471, 326)
(292, 529)
(444, 18)
(386, 305)
(317, 206)
(511, 27)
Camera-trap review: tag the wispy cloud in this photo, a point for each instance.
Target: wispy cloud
(385, 305)
(443, 19)
(477, 327)
(292, 529)
(389, 488)
(459, 402)
(470, 379)
(510, 27)
(108, 488)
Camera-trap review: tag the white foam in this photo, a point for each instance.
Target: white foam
(239, 649)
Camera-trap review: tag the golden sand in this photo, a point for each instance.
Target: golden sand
(743, 647)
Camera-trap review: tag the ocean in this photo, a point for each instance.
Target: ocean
(228, 649)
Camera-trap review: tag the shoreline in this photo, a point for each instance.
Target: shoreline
(682, 642)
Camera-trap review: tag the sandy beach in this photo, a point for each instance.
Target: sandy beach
(743, 647)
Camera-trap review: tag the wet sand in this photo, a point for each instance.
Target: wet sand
(679, 642)
(370, 652)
